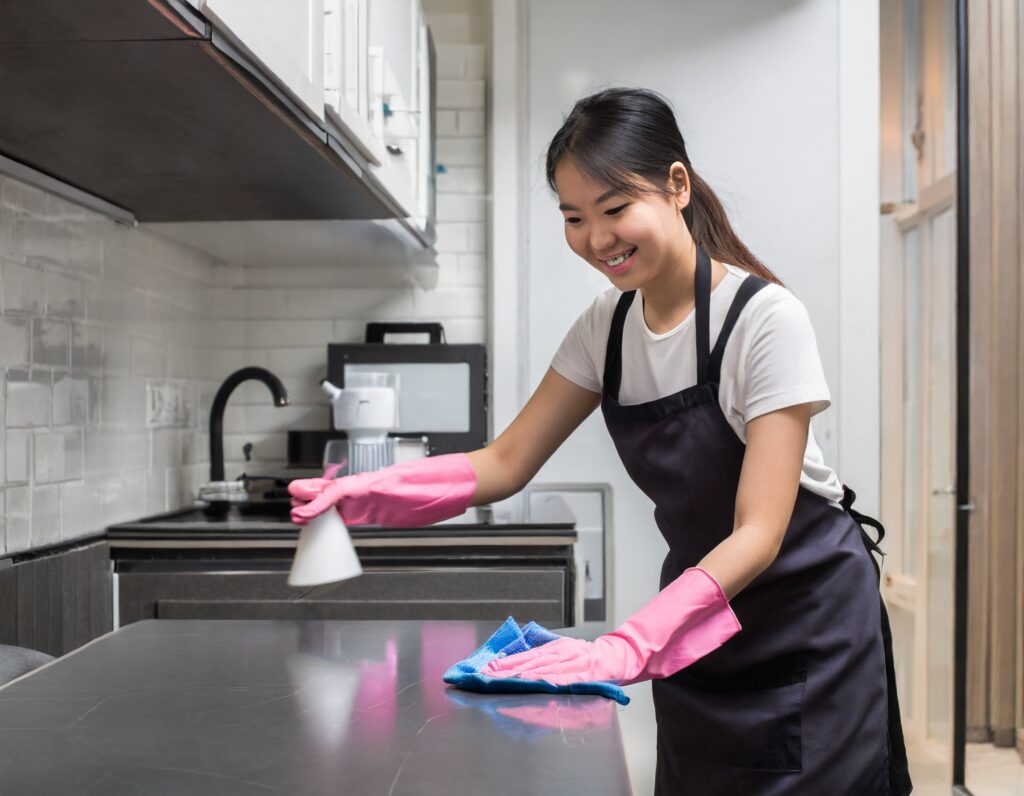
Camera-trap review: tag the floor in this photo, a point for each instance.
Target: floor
(994, 772)
(990, 771)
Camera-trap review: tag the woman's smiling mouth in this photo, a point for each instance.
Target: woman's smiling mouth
(620, 262)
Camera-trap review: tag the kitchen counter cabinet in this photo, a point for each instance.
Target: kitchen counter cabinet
(55, 601)
(303, 708)
(446, 593)
(187, 566)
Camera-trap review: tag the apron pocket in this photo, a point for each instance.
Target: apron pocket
(751, 720)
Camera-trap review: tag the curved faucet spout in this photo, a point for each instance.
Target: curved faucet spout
(220, 400)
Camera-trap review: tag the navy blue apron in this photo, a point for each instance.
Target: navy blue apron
(803, 699)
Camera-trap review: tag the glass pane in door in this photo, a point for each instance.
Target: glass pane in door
(913, 96)
(941, 469)
(912, 397)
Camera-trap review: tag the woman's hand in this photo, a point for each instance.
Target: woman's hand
(407, 495)
(571, 660)
(685, 621)
(313, 496)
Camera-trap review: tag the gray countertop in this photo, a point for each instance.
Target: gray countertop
(233, 707)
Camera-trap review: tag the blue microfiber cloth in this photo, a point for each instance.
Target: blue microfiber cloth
(510, 639)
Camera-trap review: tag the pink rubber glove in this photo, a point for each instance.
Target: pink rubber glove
(409, 494)
(685, 621)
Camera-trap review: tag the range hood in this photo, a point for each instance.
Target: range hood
(143, 105)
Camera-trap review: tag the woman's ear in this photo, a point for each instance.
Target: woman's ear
(679, 184)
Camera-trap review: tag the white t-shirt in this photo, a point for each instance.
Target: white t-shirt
(770, 362)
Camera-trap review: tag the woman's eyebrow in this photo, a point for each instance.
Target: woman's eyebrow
(606, 195)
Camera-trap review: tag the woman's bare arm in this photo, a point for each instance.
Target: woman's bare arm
(764, 500)
(553, 412)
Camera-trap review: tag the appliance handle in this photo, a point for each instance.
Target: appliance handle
(376, 331)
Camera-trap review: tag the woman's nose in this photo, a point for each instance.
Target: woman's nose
(601, 239)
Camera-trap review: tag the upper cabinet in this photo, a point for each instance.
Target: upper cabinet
(284, 37)
(225, 110)
(379, 93)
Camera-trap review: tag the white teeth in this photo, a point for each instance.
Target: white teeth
(620, 259)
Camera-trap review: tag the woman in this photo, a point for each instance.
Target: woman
(768, 644)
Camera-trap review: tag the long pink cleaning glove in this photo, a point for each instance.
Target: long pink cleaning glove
(685, 621)
(409, 494)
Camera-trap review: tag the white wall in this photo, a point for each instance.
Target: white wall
(774, 100)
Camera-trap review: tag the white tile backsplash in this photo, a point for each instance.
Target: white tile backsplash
(24, 288)
(461, 151)
(447, 123)
(71, 404)
(51, 342)
(460, 94)
(104, 449)
(451, 63)
(81, 508)
(18, 456)
(461, 207)
(461, 179)
(471, 123)
(28, 398)
(19, 518)
(14, 340)
(65, 296)
(49, 457)
(90, 310)
(46, 515)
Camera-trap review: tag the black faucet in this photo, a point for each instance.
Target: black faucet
(220, 400)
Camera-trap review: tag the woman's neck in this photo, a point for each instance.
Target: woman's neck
(669, 298)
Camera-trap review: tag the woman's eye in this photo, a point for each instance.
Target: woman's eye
(616, 210)
(572, 220)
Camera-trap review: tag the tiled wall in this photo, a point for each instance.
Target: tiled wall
(113, 340)
(96, 321)
(282, 318)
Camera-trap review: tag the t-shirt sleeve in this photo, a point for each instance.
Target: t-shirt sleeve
(782, 366)
(575, 358)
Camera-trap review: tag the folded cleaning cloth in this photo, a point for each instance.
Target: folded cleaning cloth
(508, 640)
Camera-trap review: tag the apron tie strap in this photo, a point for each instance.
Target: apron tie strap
(873, 545)
(899, 768)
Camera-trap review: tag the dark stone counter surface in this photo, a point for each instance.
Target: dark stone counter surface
(247, 707)
(192, 527)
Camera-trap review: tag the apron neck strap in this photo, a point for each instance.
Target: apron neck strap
(613, 353)
(702, 309)
(748, 288)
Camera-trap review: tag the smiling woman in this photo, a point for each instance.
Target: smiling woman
(802, 698)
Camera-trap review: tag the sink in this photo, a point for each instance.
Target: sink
(277, 510)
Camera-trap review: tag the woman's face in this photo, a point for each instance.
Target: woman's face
(630, 239)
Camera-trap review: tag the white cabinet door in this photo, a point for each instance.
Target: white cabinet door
(284, 36)
(400, 101)
(345, 57)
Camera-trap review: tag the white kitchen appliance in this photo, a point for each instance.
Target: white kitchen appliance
(366, 409)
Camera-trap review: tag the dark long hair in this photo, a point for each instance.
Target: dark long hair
(621, 134)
